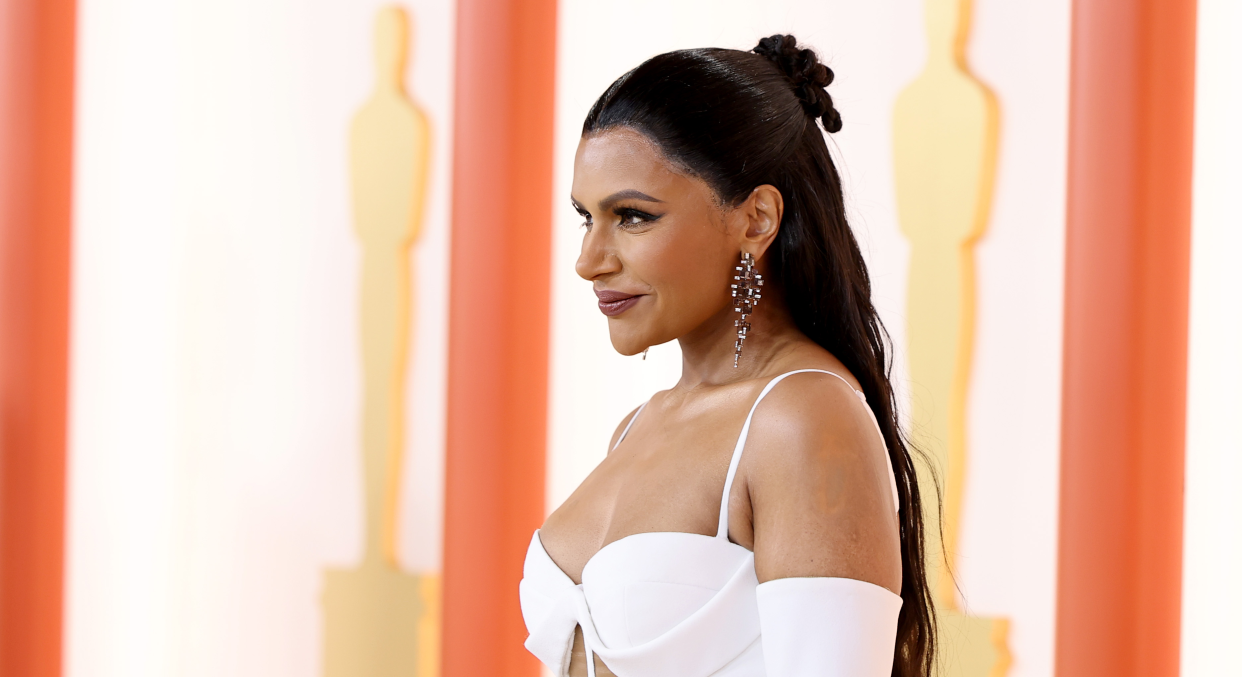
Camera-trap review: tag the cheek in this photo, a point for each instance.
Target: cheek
(689, 271)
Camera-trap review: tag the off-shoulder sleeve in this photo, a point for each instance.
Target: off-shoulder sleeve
(827, 627)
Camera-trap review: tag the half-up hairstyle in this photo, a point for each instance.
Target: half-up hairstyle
(738, 120)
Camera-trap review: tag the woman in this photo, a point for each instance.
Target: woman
(762, 517)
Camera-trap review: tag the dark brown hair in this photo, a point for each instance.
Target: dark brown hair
(739, 120)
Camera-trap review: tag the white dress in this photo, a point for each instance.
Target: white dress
(672, 604)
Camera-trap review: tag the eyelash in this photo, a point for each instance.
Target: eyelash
(630, 218)
(640, 218)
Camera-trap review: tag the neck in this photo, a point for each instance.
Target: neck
(707, 352)
(389, 84)
(946, 31)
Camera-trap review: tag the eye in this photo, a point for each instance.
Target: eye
(586, 218)
(633, 218)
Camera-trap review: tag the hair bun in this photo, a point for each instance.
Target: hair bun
(808, 75)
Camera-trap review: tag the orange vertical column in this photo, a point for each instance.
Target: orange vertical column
(36, 141)
(498, 327)
(1127, 287)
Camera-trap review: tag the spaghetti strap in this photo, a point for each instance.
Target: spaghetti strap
(723, 529)
(628, 425)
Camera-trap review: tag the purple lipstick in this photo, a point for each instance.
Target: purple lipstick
(613, 303)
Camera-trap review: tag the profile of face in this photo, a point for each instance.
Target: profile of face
(659, 247)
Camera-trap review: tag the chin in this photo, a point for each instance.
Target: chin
(628, 345)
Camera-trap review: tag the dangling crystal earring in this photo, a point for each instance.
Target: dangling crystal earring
(745, 296)
(645, 353)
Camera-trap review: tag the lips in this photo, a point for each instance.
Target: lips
(613, 303)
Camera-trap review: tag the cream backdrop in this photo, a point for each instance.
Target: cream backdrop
(215, 465)
(1212, 591)
(1021, 50)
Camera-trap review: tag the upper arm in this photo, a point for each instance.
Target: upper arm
(422, 146)
(819, 489)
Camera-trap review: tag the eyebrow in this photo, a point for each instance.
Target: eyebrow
(627, 194)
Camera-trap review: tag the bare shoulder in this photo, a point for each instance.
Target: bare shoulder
(815, 426)
(817, 477)
(814, 416)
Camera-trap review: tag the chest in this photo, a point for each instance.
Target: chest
(666, 475)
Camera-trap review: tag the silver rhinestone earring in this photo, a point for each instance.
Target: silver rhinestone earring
(645, 353)
(745, 296)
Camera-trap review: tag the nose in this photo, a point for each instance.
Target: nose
(597, 257)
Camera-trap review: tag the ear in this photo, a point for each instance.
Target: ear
(761, 213)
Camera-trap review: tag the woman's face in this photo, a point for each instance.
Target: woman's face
(658, 248)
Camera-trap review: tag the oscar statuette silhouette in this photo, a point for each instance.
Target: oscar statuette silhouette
(380, 621)
(945, 130)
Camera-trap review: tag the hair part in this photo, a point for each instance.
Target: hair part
(738, 120)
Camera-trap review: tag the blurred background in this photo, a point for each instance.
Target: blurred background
(223, 380)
